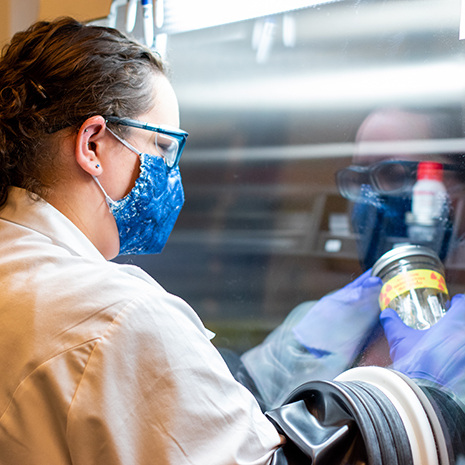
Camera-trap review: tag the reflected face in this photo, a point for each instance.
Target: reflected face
(390, 146)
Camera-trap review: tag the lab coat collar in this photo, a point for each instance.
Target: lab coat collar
(40, 216)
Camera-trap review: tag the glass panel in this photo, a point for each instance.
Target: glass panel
(264, 226)
(275, 107)
(187, 15)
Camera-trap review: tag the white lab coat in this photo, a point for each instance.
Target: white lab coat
(100, 365)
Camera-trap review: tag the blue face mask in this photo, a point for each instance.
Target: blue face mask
(379, 222)
(146, 216)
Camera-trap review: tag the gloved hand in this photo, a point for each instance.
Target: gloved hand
(340, 322)
(437, 353)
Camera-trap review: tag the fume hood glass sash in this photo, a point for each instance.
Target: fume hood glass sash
(188, 15)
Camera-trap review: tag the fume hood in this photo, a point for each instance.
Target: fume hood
(274, 99)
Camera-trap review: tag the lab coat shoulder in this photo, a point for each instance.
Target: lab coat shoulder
(155, 390)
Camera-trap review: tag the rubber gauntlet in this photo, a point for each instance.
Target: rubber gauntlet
(338, 324)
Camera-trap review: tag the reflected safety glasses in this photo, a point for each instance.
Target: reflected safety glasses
(388, 177)
(169, 142)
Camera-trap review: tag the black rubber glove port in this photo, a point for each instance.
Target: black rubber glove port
(340, 423)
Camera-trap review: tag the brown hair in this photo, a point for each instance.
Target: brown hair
(55, 75)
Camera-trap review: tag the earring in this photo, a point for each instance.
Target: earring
(97, 165)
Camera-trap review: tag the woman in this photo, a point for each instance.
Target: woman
(99, 364)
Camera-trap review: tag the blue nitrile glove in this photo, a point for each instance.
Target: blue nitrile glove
(337, 325)
(436, 353)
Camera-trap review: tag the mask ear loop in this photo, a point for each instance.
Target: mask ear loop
(108, 199)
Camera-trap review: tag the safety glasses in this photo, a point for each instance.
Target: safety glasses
(388, 177)
(169, 142)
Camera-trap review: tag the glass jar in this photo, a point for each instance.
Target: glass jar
(413, 285)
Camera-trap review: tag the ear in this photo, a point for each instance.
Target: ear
(88, 145)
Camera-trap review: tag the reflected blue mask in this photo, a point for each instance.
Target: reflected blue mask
(379, 223)
(146, 216)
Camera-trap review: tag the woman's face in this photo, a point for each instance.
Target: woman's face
(121, 173)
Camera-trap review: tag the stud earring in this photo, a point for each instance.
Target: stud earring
(97, 165)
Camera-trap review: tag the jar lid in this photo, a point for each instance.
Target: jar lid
(402, 251)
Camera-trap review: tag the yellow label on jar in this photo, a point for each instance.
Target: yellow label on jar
(413, 279)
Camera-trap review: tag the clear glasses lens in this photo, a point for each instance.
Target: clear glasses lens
(392, 177)
(167, 147)
(351, 180)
